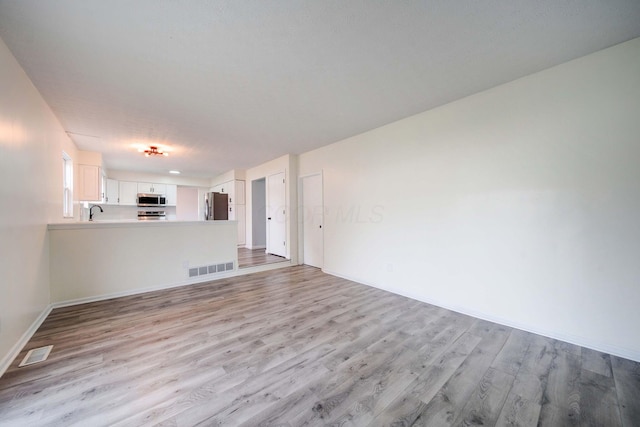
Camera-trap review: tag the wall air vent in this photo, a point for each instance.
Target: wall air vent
(206, 270)
(36, 355)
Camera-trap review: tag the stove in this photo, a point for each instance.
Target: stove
(151, 215)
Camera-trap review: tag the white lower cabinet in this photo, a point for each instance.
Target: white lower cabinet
(240, 212)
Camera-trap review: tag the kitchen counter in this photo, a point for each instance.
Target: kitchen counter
(96, 259)
(74, 225)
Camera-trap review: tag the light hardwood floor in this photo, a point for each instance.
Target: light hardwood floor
(253, 257)
(296, 347)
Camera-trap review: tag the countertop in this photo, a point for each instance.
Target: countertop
(79, 225)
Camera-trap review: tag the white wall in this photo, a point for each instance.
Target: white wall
(31, 145)
(520, 204)
(188, 204)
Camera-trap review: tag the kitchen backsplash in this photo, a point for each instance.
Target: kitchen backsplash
(114, 212)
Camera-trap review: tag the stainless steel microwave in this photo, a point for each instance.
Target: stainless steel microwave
(151, 200)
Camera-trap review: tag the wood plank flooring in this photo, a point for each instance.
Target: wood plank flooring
(253, 257)
(295, 347)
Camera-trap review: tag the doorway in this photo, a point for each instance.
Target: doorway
(276, 211)
(259, 214)
(256, 254)
(312, 221)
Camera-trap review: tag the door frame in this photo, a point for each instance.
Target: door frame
(301, 214)
(254, 218)
(287, 248)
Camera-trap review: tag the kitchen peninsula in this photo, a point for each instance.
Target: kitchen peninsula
(96, 259)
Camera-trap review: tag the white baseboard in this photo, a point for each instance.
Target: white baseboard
(194, 281)
(625, 353)
(257, 247)
(6, 361)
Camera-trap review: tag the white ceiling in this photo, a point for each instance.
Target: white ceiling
(232, 84)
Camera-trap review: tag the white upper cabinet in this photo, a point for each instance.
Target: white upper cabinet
(112, 192)
(151, 188)
(237, 209)
(160, 189)
(128, 192)
(90, 183)
(235, 190)
(221, 188)
(230, 189)
(239, 193)
(145, 187)
(172, 194)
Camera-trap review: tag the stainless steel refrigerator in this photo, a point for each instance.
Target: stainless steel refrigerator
(216, 206)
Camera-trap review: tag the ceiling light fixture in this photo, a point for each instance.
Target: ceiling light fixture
(153, 151)
(175, 172)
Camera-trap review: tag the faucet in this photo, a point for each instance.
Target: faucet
(91, 211)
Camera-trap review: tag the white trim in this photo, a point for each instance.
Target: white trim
(194, 281)
(67, 185)
(301, 215)
(257, 247)
(309, 175)
(287, 208)
(6, 361)
(569, 338)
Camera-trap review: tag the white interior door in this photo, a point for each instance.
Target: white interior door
(312, 221)
(276, 215)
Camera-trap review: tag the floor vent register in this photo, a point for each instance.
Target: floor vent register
(36, 355)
